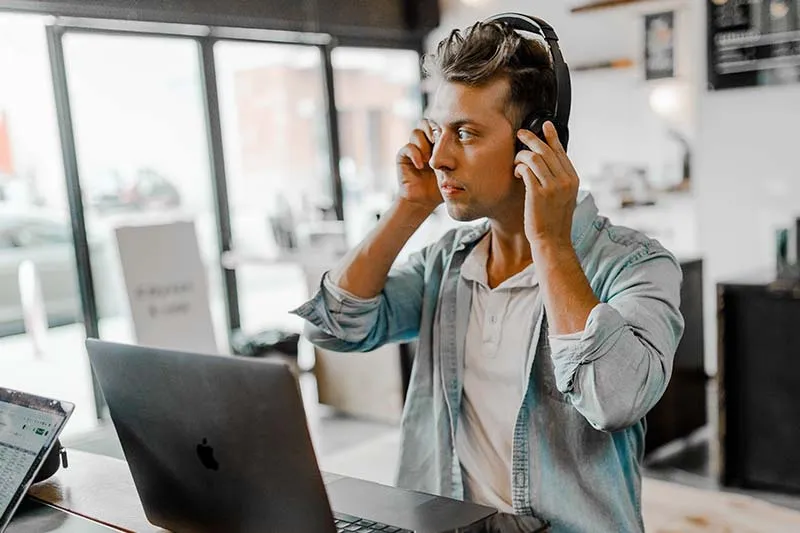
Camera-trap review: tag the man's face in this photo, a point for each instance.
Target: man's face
(473, 153)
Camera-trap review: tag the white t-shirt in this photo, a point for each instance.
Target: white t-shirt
(498, 339)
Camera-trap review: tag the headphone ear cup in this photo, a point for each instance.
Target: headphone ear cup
(534, 124)
(563, 135)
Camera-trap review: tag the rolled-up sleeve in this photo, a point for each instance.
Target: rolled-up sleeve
(340, 321)
(618, 367)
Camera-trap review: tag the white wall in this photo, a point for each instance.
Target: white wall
(750, 170)
(611, 121)
(606, 29)
(746, 173)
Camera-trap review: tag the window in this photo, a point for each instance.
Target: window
(277, 166)
(35, 232)
(142, 153)
(378, 102)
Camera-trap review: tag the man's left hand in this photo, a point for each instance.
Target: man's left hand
(551, 188)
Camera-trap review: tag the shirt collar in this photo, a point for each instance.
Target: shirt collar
(476, 264)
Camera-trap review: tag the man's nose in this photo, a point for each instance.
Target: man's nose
(442, 155)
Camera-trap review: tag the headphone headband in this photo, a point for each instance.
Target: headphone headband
(530, 24)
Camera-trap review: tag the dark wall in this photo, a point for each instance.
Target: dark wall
(391, 18)
(271, 14)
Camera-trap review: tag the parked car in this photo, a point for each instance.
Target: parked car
(144, 189)
(46, 239)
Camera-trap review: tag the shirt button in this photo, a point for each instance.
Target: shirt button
(519, 478)
(494, 319)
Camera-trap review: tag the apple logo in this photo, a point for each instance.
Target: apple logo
(206, 455)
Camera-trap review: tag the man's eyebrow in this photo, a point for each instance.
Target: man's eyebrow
(455, 124)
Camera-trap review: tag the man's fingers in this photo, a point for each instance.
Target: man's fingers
(537, 164)
(544, 150)
(426, 128)
(420, 139)
(551, 134)
(529, 139)
(525, 173)
(411, 152)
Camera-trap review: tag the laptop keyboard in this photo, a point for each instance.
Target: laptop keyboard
(346, 523)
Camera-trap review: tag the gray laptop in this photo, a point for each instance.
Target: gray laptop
(221, 443)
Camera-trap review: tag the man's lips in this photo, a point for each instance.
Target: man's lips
(450, 189)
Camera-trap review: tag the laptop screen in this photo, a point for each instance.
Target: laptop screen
(29, 426)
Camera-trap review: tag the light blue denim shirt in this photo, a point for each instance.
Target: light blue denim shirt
(579, 435)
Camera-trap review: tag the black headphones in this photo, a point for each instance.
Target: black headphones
(560, 115)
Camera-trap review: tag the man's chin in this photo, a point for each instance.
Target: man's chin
(460, 213)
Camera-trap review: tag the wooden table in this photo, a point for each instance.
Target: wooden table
(96, 487)
(101, 489)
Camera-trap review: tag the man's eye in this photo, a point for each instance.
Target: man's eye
(464, 135)
(436, 135)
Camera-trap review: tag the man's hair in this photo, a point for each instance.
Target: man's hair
(486, 51)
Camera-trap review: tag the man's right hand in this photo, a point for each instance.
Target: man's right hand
(364, 270)
(417, 180)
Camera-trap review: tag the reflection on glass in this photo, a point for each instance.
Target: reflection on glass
(276, 155)
(142, 153)
(41, 329)
(378, 104)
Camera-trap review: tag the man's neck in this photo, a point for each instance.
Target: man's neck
(509, 253)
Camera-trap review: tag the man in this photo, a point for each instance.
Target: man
(545, 333)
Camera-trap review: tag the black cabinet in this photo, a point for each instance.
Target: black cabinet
(759, 386)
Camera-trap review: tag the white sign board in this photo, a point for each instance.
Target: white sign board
(167, 287)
